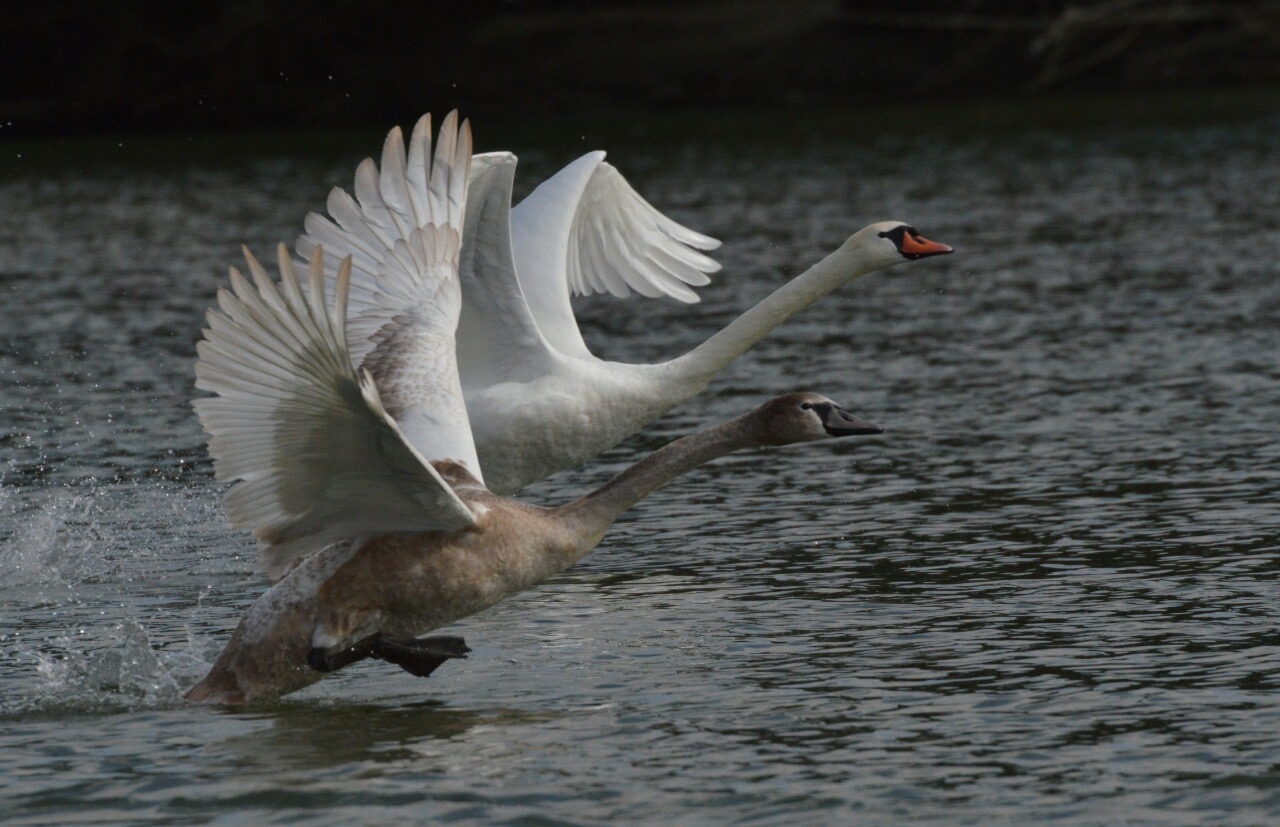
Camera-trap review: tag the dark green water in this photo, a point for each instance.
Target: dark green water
(1047, 595)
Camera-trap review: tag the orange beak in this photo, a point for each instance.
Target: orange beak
(917, 246)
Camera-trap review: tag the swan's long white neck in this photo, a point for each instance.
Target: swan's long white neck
(848, 262)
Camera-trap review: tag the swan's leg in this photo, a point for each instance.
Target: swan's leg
(321, 661)
(417, 656)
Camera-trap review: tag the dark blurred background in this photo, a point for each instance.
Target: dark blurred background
(128, 65)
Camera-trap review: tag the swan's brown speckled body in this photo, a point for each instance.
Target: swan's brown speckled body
(407, 584)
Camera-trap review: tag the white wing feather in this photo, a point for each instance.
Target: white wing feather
(375, 228)
(317, 458)
(587, 231)
(498, 338)
(403, 233)
(619, 243)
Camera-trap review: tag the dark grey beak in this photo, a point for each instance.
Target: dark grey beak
(839, 422)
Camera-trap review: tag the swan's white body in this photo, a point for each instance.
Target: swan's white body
(538, 400)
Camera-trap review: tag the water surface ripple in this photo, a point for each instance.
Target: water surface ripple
(1048, 594)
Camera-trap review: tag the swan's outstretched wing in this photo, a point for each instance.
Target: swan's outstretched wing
(586, 230)
(403, 233)
(498, 339)
(619, 242)
(317, 458)
(376, 228)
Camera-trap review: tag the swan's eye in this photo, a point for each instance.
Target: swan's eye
(804, 406)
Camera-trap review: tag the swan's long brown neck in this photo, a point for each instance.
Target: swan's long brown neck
(711, 356)
(593, 514)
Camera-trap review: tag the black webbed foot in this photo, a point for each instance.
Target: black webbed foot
(417, 656)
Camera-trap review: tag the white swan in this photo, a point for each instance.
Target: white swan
(381, 542)
(537, 399)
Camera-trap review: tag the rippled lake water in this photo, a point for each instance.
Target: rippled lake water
(1047, 594)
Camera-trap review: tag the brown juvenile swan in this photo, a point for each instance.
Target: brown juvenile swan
(411, 544)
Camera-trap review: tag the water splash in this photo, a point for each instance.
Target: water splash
(130, 671)
(71, 674)
(57, 541)
(76, 571)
